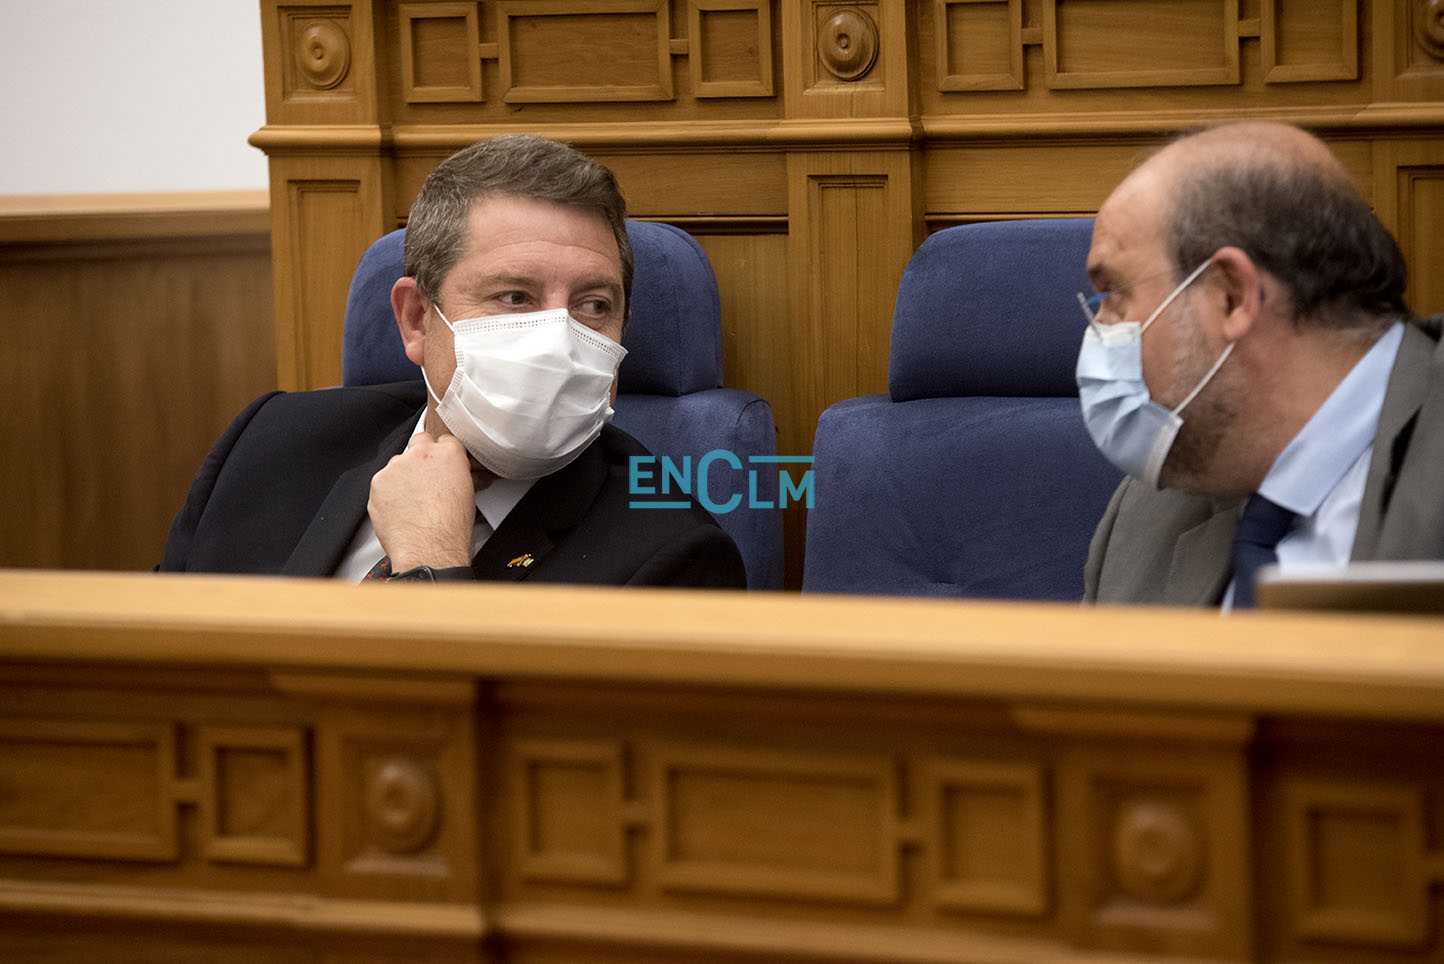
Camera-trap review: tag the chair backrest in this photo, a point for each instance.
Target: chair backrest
(668, 398)
(974, 475)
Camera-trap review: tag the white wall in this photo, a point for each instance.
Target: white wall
(100, 96)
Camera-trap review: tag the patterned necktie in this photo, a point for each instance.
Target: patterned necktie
(1260, 528)
(381, 570)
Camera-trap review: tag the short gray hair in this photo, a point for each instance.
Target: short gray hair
(512, 165)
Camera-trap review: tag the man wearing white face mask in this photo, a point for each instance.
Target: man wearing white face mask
(1250, 363)
(499, 463)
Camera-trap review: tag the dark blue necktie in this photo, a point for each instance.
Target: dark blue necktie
(1259, 530)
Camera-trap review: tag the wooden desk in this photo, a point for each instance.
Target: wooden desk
(199, 768)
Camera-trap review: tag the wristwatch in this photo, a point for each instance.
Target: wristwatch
(428, 574)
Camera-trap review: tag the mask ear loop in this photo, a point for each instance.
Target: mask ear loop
(424, 379)
(1218, 363)
(1206, 379)
(1174, 294)
(450, 327)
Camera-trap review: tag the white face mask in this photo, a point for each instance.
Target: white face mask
(1132, 430)
(530, 392)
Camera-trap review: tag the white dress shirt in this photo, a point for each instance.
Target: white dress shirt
(1320, 474)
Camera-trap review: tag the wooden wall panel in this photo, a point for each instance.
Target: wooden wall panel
(327, 212)
(620, 50)
(1193, 43)
(135, 328)
(1409, 192)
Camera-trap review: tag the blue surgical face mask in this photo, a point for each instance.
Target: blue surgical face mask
(1134, 432)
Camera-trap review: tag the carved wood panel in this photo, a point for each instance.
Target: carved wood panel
(619, 50)
(255, 805)
(1193, 43)
(1421, 207)
(440, 58)
(730, 48)
(1357, 857)
(988, 822)
(1304, 42)
(769, 824)
(708, 821)
(572, 826)
(979, 44)
(1121, 832)
(320, 66)
(89, 789)
(326, 212)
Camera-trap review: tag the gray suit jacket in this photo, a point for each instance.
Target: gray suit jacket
(1157, 546)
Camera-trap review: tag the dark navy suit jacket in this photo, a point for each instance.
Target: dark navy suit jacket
(285, 488)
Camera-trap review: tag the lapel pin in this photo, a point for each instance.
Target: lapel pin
(522, 561)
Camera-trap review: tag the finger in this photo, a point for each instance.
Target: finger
(450, 442)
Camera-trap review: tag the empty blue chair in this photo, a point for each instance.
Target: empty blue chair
(974, 475)
(669, 394)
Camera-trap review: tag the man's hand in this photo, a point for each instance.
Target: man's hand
(423, 504)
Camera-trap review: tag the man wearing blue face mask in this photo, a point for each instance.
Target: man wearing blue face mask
(498, 464)
(1250, 363)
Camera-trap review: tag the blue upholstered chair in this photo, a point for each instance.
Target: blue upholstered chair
(669, 388)
(974, 475)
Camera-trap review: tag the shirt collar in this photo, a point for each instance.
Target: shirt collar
(1314, 461)
(496, 500)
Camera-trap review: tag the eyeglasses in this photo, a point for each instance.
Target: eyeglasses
(1096, 304)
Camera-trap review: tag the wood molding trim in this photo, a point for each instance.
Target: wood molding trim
(38, 218)
(281, 912)
(854, 133)
(1273, 662)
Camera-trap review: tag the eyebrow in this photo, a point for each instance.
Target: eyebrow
(609, 285)
(529, 282)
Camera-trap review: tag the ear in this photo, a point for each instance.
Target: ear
(409, 306)
(1241, 285)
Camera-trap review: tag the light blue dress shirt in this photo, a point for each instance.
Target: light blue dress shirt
(1320, 474)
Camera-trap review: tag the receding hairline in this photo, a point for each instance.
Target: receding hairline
(1246, 144)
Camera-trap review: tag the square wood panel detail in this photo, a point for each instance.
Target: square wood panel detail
(92, 789)
(979, 44)
(317, 58)
(440, 62)
(1173, 43)
(256, 801)
(556, 51)
(730, 44)
(776, 824)
(1303, 40)
(988, 825)
(1156, 842)
(1355, 855)
(570, 826)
